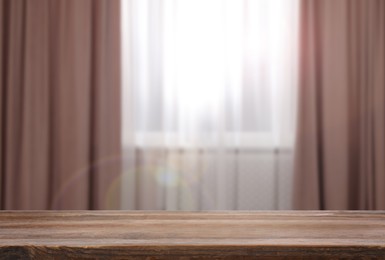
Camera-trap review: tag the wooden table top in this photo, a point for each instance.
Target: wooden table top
(165, 235)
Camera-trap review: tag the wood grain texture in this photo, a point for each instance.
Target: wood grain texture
(187, 235)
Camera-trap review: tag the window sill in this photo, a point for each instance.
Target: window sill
(206, 141)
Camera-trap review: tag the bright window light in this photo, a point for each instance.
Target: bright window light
(209, 66)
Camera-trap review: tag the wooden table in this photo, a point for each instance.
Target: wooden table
(186, 235)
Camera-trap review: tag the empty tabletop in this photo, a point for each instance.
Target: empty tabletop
(184, 235)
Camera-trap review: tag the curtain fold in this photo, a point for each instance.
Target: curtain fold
(60, 109)
(340, 146)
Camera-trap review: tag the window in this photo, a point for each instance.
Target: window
(208, 103)
(211, 67)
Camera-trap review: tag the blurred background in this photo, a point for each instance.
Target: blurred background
(192, 104)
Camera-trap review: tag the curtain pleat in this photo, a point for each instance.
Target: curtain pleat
(60, 109)
(340, 145)
(2, 51)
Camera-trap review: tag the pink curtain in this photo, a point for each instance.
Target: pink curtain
(59, 104)
(340, 157)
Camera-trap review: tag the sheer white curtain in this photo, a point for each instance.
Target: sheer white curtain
(209, 89)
